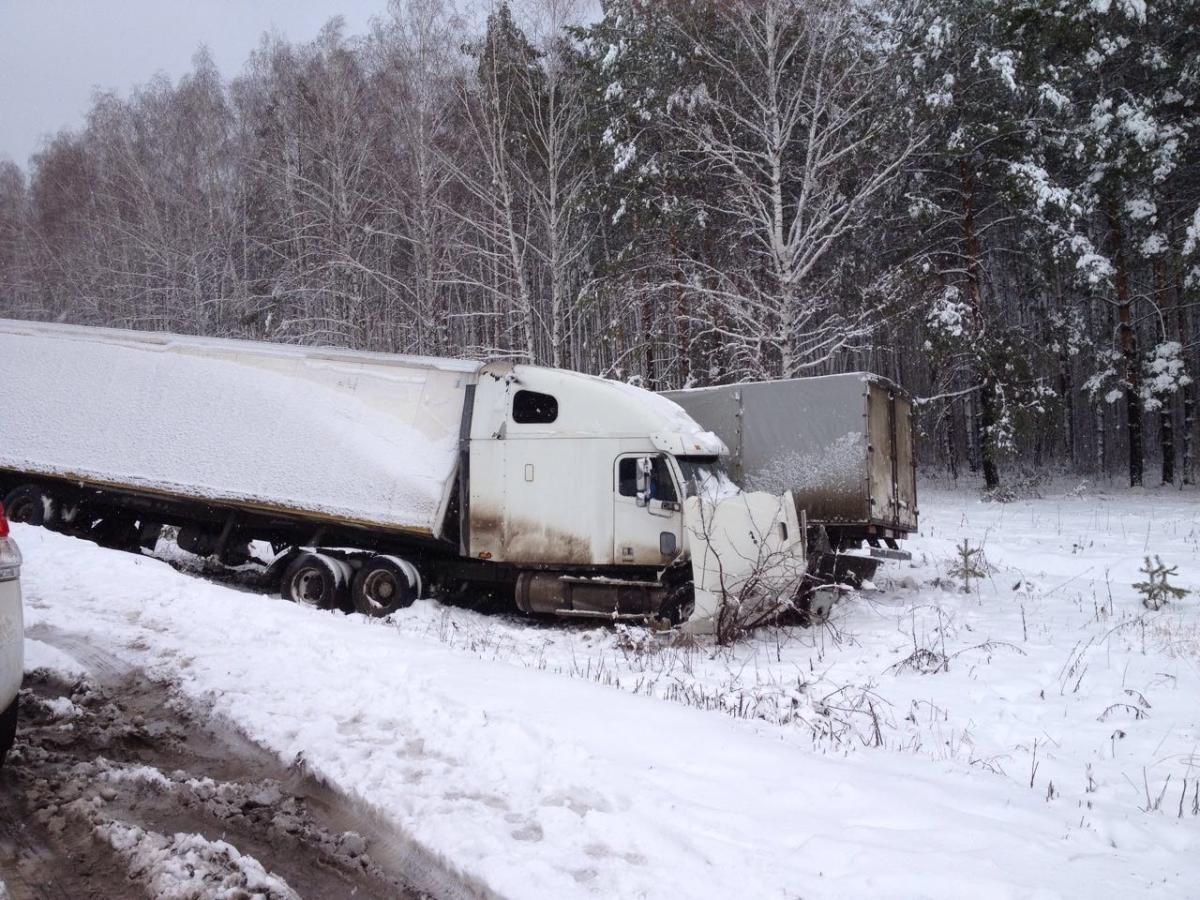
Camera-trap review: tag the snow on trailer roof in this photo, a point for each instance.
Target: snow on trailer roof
(806, 379)
(363, 438)
(168, 338)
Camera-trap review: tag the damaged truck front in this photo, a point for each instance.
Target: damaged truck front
(377, 478)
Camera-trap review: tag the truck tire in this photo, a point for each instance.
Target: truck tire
(678, 607)
(27, 503)
(8, 729)
(314, 580)
(116, 532)
(385, 584)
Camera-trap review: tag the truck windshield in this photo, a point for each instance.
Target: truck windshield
(705, 477)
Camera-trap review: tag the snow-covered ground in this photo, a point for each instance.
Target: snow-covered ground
(1035, 737)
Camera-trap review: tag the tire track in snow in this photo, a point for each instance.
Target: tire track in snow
(166, 770)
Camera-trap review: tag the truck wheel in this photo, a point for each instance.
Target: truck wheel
(116, 532)
(314, 580)
(385, 584)
(26, 503)
(8, 729)
(678, 607)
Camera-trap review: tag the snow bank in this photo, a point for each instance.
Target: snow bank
(363, 437)
(42, 656)
(540, 785)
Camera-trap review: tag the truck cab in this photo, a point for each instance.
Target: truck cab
(571, 470)
(581, 482)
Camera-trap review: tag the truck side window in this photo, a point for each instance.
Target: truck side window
(532, 408)
(627, 477)
(662, 487)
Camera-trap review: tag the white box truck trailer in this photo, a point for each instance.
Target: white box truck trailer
(377, 477)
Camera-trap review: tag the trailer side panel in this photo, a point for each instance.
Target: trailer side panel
(361, 438)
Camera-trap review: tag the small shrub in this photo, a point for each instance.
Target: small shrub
(1028, 487)
(1156, 590)
(968, 564)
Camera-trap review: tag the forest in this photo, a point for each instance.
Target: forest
(996, 203)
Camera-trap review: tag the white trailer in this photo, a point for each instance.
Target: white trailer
(374, 475)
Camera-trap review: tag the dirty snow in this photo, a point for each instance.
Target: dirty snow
(188, 867)
(42, 656)
(1034, 736)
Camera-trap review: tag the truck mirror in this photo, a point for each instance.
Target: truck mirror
(644, 468)
(645, 480)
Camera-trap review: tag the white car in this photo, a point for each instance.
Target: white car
(12, 636)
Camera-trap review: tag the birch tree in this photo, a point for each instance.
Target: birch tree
(788, 118)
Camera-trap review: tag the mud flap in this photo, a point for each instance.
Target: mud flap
(748, 549)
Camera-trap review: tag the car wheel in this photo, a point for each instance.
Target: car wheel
(8, 729)
(26, 503)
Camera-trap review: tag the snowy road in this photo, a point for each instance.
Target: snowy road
(1034, 737)
(118, 788)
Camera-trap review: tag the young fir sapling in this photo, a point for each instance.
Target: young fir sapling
(1156, 590)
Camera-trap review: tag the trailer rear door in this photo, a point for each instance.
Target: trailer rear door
(881, 453)
(906, 472)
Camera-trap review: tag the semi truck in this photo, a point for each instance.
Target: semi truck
(841, 445)
(377, 478)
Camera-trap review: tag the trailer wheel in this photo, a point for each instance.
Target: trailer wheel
(26, 503)
(314, 580)
(385, 584)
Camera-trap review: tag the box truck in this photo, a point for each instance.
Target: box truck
(842, 445)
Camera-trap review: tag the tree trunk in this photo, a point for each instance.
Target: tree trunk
(1067, 391)
(1189, 430)
(1182, 323)
(971, 433)
(682, 325)
(1129, 350)
(987, 399)
(647, 338)
(951, 445)
(1166, 408)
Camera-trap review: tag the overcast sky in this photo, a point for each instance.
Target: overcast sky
(53, 53)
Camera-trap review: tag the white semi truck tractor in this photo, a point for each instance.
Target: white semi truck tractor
(379, 478)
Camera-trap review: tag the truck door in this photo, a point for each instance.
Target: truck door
(647, 511)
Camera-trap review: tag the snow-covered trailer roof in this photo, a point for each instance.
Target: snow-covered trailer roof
(841, 443)
(363, 438)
